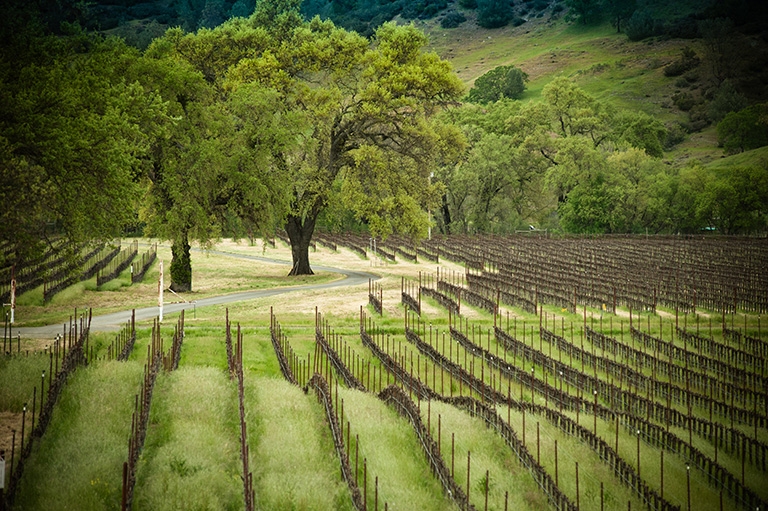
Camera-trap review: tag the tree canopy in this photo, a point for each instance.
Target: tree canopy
(269, 121)
(499, 82)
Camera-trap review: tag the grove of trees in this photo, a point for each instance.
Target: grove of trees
(272, 121)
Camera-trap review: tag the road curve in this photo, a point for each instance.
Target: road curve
(115, 320)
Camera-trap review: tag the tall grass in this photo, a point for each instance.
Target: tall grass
(78, 462)
(190, 458)
(393, 454)
(488, 452)
(292, 455)
(19, 375)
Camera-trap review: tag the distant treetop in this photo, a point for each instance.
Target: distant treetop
(500, 82)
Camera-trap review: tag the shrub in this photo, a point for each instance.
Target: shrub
(642, 25)
(744, 130)
(683, 28)
(493, 13)
(684, 101)
(453, 20)
(687, 61)
(675, 135)
(500, 82)
(727, 99)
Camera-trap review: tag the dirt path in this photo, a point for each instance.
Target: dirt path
(116, 320)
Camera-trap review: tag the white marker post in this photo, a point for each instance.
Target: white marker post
(13, 293)
(160, 292)
(2, 474)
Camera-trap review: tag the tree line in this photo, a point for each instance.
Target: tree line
(572, 163)
(273, 121)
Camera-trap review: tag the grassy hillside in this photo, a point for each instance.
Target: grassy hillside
(757, 157)
(626, 74)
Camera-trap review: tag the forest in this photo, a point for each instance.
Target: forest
(278, 121)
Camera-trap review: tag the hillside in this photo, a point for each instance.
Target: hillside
(606, 64)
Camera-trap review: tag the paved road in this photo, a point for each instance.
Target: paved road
(115, 320)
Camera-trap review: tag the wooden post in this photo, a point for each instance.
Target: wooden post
(578, 504)
(638, 453)
(662, 474)
(453, 446)
(468, 467)
(602, 497)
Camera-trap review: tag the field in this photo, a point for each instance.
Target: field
(515, 373)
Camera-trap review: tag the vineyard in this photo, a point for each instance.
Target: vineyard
(473, 373)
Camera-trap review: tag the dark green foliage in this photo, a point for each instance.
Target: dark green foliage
(468, 4)
(727, 99)
(585, 12)
(364, 16)
(500, 82)
(744, 130)
(642, 25)
(685, 27)
(242, 8)
(493, 13)
(423, 9)
(684, 101)
(687, 61)
(724, 48)
(675, 135)
(453, 20)
(697, 119)
(620, 11)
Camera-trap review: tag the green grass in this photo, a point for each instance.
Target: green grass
(19, 376)
(488, 452)
(191, 456)
(78, 463)
(755, 157)
(393, 454)
(293, 460)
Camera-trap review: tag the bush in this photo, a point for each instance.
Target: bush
(675, 135)
(687, 61)
(640, 26)
(744, 130)
(468, 4)
(684, 101)
(500, 82)
(698, 118)
(727, 99)
(493, 13)
(453, 20)
(683, 28)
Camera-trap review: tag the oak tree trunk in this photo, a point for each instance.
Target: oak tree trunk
(300, 234)
(181, 266)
